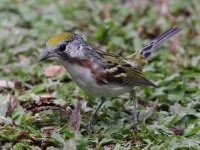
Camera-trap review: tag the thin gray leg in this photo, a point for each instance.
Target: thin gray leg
(135, 118)
(89, 125)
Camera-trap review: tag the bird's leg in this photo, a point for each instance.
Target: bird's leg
(89, 125)
(135, 118)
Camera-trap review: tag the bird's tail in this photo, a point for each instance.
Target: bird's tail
(139, 58)
(148, 49)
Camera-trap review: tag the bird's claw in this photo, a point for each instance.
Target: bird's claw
(89, 124)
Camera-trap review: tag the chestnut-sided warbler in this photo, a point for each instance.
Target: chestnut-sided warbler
(102, 74)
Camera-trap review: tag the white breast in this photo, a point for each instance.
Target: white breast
(85, 80)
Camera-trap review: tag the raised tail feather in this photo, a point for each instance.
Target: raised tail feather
(139, 58)
(158, 41)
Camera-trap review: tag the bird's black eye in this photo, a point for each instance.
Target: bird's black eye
(62, 48)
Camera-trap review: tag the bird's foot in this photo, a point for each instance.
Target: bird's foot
(89, 124)
(135, 121)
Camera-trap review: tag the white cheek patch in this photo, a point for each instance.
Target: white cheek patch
(75, 52)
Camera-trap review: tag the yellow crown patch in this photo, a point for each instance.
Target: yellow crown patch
(59, 38)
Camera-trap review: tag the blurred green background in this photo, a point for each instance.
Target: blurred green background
(169, 115)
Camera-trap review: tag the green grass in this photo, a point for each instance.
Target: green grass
(169, 115)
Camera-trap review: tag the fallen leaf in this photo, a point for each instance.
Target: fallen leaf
(127, 20)
(105, 12)
(151, 33)
(51, 71)
(177, 131)
(46, 96)
(76, 118)
(13, 103)
(42, 105)
(6, 84)
(19, 85)
(192, 33)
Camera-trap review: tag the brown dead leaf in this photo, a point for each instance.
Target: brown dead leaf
(51, 71)
(42, 105)
(127, 20)
(19, 85)
(25, 135)
(150, 33)
(12, 105)
(46, 96)
(177, 131)
(192, 33)
(105, 12)
(75, 118)
(6, 84)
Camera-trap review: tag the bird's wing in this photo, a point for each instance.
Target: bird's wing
(119, 71)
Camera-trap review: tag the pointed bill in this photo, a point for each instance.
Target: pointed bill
(45, 56)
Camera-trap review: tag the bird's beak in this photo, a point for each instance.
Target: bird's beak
(46, 55)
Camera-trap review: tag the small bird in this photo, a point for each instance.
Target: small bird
(102, 74)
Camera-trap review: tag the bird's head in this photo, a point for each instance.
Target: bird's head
(63, 47)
